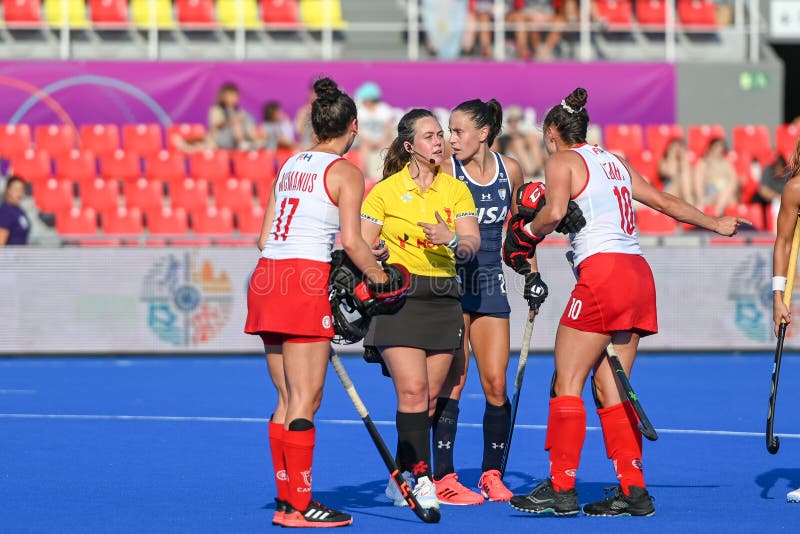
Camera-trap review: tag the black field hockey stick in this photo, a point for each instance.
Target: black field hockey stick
(773, 441)
(430, 515)
(523, 361)
(645, 426)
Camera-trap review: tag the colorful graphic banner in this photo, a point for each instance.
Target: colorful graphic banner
(142, 301)
(44, 92)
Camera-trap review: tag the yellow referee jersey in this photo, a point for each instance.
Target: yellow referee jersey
(397, 204)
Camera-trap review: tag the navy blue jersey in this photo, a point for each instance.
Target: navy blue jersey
(482, 277)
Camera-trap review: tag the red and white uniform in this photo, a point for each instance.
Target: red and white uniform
(288, 293)
(615, 289)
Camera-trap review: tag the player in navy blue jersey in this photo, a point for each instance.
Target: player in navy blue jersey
(492, 180)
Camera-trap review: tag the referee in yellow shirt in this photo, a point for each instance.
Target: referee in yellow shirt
(426, 218)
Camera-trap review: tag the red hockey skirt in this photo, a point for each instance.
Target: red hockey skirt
(288, 301)
(614, 293)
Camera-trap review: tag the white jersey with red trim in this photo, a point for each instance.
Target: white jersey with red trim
(607, 204)
(306, 218)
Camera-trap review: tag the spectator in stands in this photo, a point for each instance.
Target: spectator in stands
(14, 224)
(277, 128)
(536, 12)
(302, 122)
(375, 127)
(484, 15)
(773, 180)
(716, 177)
(675, 173)
(522, 144)
(230, 126)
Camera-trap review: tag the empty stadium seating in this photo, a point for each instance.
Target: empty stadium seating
(234, 193)
(77, 221)
(109, 13)
(144, 194)
(660, 135)
(122, 221)
(212, 221)
(56, 139)
(102, 139)
(14, 139)
(144, 139)
(53, 196)
(32, 165)
(120, 165)
(626, 138)
(22, 13)
(702, 134)
(100, 194)
(617, 14)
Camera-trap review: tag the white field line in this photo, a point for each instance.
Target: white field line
(203, 419)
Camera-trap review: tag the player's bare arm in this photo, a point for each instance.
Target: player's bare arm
(559, 172)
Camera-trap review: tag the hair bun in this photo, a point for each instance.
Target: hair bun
(577, 99)
(326, 90)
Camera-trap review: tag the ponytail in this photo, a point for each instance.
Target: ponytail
(396, 158)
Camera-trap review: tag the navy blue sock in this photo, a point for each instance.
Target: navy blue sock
(496, 422)
(445, 424)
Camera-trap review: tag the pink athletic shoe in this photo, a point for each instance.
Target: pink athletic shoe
(450, 491)
(492, 487)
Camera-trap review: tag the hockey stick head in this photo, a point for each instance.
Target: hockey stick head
(429, 515)
(773, 444)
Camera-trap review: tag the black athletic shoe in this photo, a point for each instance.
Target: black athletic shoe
(544, 499)
(280, 511)
(316, 515)
(616, 503)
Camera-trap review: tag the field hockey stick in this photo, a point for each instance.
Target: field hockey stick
(430, 515)
(645, 426)
(773, 441)
(523, 361)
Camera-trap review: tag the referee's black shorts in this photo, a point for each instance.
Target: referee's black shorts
(430, 319)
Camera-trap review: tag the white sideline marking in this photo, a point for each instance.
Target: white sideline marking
(18, 391)
(189, 419)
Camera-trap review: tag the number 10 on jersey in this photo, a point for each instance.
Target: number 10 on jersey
(625, 209)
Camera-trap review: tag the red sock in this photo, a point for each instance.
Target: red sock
(278, 463)
(566, 430)
(623, 443)
(298, 451)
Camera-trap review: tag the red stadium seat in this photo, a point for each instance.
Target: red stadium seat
(652, 222)
(264, 191)
(15, 139)
(647, 166)
(121, 165)
(33, 166)
(701, 135)
(249, 220)
(100, 195)
(122, 221)
(76, 221)
(53, 196)
(144, 194)
(625, 138)
(189, 194)
(751, 212)
(281, 13)
(78, 166)
(109, 13)
(211, 165)
(698, 14)
(234, 194)
(786, 136)
(651, 12)
(753, 139)
(617, 14)
(56, 139)
(212, 221)
(660, 135)
(145, 139)
(165, 165)
(102, 139)
(369, 183)
(356, 158)
(22, 12)
(197, 13)
(255, 165)
(282, 155)
(166, 221)
(186, 131)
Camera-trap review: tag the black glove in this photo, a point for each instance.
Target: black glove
(519, 244)
(531, 199)
(535, 289)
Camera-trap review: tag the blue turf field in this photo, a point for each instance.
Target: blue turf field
(180, 445)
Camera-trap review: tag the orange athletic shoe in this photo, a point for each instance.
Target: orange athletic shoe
(492, 487)
(280, 511)
(450, 491)
(316, 515)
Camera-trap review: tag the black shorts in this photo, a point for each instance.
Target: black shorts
(430, 319)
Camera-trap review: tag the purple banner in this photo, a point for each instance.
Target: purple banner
(127, 92)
